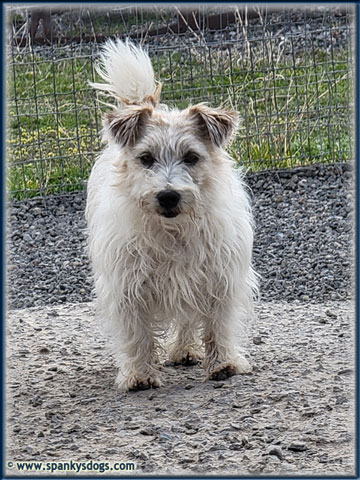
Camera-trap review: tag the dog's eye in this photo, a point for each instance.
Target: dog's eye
(147, 160)
(190, 158)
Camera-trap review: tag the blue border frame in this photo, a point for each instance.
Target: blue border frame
(356, 239)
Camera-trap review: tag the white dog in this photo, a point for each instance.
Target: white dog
(170, 229)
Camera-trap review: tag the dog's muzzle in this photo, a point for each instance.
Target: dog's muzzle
(169, 201)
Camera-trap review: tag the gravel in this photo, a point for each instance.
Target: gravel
(292, 415)
(303, 242)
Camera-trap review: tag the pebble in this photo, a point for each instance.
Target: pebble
(164, 437)
(27, 237)
(36, 401)
(277, 451)
(44, 350)
(218, 385)
(235, 426)
(297, 447)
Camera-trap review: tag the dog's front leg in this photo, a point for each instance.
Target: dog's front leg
(135, 350)
(185, 346)
(222, 357)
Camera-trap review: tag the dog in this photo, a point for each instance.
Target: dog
(170, 229)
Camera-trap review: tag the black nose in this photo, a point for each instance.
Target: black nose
(168, 199)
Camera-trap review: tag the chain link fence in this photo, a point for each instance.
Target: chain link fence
(288, 71)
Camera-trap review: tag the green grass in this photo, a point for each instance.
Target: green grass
(291, 115)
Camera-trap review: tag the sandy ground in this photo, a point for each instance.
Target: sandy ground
(292, 415)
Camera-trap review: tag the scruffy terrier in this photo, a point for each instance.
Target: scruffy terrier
(170, 229)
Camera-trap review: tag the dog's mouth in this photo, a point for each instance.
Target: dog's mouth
(170, 213)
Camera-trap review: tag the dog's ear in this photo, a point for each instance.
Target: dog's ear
(214, 123)
(127, 124)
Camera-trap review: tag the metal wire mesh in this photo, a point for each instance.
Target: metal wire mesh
(289, 72)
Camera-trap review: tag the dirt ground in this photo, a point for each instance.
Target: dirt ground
(293, 415)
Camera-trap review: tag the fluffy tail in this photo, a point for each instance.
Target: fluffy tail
(127, 72)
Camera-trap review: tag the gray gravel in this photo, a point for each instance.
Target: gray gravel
(303, 242)
(292, 415)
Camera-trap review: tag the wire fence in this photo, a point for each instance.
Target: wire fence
(288, 71)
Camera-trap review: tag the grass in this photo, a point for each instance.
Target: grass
(292, 114)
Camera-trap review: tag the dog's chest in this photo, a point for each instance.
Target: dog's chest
(188, 275)
(175, 266)
(182, 272)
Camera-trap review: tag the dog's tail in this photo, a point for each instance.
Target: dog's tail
(127, 72)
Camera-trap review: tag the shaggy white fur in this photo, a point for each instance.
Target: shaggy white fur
(170, 230)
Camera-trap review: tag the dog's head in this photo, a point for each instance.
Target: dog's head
(170, 160)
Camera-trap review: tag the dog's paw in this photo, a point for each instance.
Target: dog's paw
(228, 369)
(185, 356)
(144, 384)
(136, 382)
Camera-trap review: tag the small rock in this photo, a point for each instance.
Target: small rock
(236, 446)
(277, 451)
(36, 401)
(330, 314)
(36, 211)
(346, 371)
(256, 467)
(164, 437)
(236, 426)
(27, 237)
(44, 350)
(258, 340)
(323, 458)
(160, 409)
(297, 447)
(112, 451)
(218, 385)
(74, 428)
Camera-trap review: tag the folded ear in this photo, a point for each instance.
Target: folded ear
(126, 125)
(214, 123)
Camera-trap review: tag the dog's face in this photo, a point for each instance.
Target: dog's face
(169, 159)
